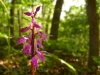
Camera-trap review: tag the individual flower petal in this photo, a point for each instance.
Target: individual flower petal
(40, 55)
(44, 52)
(28, 13)
(38, 8)
(36, 25)
(35, 61)
(25, 29)
(33, 23)
(22, 40)
(27, 49)
(39, 42)
(30, 36)
(37, 30)
(44, 36)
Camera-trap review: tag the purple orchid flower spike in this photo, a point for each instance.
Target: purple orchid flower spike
(32, 44)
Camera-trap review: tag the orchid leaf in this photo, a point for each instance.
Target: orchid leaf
(63, 62)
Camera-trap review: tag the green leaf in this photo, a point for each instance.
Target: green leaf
(3, 35)
(96, 59)
(63, 62)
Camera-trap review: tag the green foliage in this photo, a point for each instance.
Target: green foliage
(55, 58)
(97, 60)
(73, 29)
(3, 35)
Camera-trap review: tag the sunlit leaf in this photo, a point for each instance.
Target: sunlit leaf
(3, 35)
(63, 62)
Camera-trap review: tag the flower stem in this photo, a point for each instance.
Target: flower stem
(32, 47)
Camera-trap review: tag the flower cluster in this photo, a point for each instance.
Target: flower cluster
(27, 41)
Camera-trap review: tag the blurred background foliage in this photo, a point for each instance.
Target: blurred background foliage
(69, 52)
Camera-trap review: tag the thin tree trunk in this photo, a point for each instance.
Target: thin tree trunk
(56, 19)
(48, 18)
(19, 21)
(93, 35)
(12, 17)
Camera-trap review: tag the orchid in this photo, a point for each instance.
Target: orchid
(22, 40)
(38, 56)
(32, 45)
(26, 49)
(33, 23)
(35, 61)
(39, 42)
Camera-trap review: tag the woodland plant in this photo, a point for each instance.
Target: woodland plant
(32, 44)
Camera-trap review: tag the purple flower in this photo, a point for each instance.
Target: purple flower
(40, 55)
(42, 35)
(30, 27)
(34, 23)
(26, 49)
(25, 29)
(28, 13)
(38, 8)
(44, 52)
(26, 46)
(35, 61)
(22, 40)
(39, 42)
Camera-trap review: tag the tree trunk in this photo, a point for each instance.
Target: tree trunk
(12, 17)
(56, 19)
(48, 18)
(93, 35)
(19, 21)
